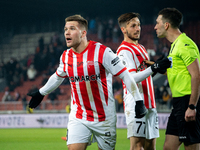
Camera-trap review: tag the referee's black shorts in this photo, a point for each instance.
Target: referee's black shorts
(188, 132)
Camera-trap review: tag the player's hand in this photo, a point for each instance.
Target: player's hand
(161, 65)
(140, 109)
(190, 115)
(36, 99)
(148, 62)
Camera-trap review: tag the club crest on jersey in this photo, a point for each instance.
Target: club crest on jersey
(91, 64)
(84, 78)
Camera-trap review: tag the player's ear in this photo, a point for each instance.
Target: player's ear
(123, 30)
(83, 33)
(166, 25)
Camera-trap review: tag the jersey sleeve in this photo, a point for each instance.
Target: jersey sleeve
(53, 82)
(115, 66)
(188, 54)
(61, 70)
(112, 63)
(127, 59)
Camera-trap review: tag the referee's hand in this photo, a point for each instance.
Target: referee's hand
(161, 65)
(190, 115)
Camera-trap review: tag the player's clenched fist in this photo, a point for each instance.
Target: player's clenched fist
(140, 109)
(36, 99)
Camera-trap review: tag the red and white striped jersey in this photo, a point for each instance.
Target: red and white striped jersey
(90, 74)
(132, 57)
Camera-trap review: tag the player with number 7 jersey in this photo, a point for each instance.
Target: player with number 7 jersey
(142, 132)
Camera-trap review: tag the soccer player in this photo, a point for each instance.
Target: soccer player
(184, 80)
(142, 132)
(89, 66)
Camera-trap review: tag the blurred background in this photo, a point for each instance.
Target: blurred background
(32, 40)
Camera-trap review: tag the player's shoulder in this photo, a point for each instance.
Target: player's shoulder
(141, 46)
(124, 48)
(98, 44)
(67, 51)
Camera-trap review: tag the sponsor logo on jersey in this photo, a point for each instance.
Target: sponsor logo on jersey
(115, 61)
(84, 78)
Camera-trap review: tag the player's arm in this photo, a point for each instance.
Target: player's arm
(194, 71)
(140, 76)
(53, 82)
(127, 59)
(114, 65)
(140, 109)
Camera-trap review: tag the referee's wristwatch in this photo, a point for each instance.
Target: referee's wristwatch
(191, 106)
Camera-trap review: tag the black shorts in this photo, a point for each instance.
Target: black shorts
(188, 132)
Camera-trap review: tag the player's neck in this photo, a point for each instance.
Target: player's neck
(81, 47)
(131, 41)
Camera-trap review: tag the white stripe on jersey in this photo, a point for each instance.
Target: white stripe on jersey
(142, 52)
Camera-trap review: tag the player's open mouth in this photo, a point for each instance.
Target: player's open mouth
(68, 39)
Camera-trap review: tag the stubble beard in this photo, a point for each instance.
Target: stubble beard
(132, 38)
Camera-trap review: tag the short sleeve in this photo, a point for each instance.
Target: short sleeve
(127, 59)
(61, 70)
(112, 62)
(188, 54)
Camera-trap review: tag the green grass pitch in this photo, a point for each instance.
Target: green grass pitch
(50, 139)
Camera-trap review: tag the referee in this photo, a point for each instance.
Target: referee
(184, 80)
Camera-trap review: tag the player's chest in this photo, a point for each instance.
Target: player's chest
(82, 66)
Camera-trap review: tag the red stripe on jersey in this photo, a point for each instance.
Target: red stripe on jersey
(73, 86)
(63, 60)
(82, 85)
(124, 48)
(61, 76)
(103, 74)
(94, 84)
(143, 51)
(120, 71)
(145, 93)
(132, 70)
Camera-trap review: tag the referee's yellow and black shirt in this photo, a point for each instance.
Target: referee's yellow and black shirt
(182, 53)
